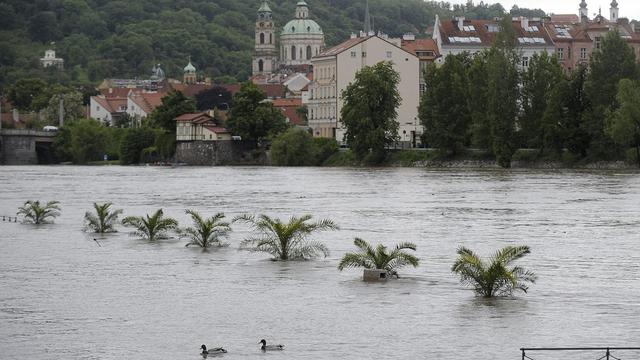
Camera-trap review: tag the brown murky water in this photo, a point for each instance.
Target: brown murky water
(63, 297)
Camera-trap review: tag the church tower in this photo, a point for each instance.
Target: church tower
(265, 56)
(584, 13)
(614, 11)
(190, 76)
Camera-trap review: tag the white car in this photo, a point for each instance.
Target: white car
(50, 128)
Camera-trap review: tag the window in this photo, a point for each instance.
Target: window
(364, 54)
(389, 54)
(270, 38)
(598, 42)
(583, 53)
(261, 38)
(308, 52)
(293, 52)
(353, 54)
(560, 52)
(525, 61)
(493, 28)
(569, 52)
(260, 65)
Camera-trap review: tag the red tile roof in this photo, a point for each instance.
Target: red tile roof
(287, 102)
(147, 101)
(273, 91)
(343, 46)
(449, 29)
(194, 117)
(565, 18)
(216, 129)
(419, 46)
(112, 105)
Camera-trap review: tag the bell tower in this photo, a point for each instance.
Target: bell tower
(265, 55)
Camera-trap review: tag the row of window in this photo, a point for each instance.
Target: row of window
(263, 38)
(561, 55)
(325, 72)
(327, 112)
(364, 54)
(322, 92)
(295, 53)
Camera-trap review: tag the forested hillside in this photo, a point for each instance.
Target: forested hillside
(120, 38)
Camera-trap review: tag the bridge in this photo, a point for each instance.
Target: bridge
(26, 147)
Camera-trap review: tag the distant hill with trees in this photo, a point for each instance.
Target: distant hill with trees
(116, 38)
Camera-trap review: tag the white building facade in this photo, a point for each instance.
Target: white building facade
(336, 68)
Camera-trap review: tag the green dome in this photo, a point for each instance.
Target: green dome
(189, 68)
(302, 26)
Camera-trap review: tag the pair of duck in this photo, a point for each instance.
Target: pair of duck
(220, 350)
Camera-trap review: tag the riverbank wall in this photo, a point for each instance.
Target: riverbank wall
(218, 153)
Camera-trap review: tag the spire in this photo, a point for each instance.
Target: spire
(264, 8)
(584, 13)
(367, 20)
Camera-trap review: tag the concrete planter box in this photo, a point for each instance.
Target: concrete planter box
(377, 275)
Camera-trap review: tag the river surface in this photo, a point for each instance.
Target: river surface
(64, 297)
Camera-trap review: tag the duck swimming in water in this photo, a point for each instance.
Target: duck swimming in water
(215, 351)
(266, 347)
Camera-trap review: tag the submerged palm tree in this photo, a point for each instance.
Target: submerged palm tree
(104, 220)
(36, 214)
(207, 232)
(154, 227)
(286, 241)
(379, 258)
(494, 277)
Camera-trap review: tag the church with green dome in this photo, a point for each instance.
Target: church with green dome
(300, 40)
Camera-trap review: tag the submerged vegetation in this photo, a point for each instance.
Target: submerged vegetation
(37, 214)
(151, 228)
(495, 276)
(103, 220)
(379, 257)
(286, 240)
(206, 233)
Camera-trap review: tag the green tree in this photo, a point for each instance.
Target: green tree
(543, 73)
(173, 105)
(379, 257)
(503, 92)
(87, 141)
(286, 240)
(324, 148)
(294, 147)
(151, 228)
(206, 233)
(132, 144)
(252, 117)
(24, 91)
(370, 110)
(480, 127)
(217, 97)
(624, 122)
(443, 108)
(71, 104)
(495, 276)
(103, 220)
(614, 61)
(576, 136)
(37, 214)
(556, 118)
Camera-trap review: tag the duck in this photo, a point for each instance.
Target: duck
(215, 351)
(266, 347)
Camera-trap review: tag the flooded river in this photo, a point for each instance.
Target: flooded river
(64, 297)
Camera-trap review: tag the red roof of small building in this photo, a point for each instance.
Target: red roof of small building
(216, 129)
(147, 101)
(112, 105)
(419, 46)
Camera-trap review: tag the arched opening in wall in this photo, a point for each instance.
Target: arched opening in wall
(308, 52)
(261, 38)
(260, 65)
(293, 52)
(270, 38)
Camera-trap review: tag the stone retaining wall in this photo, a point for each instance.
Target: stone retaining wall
(216, 153)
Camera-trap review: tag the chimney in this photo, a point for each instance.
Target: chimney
(524, 23)
(460, 23)
(354, 35)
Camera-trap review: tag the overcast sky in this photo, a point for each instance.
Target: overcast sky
(628, 8)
